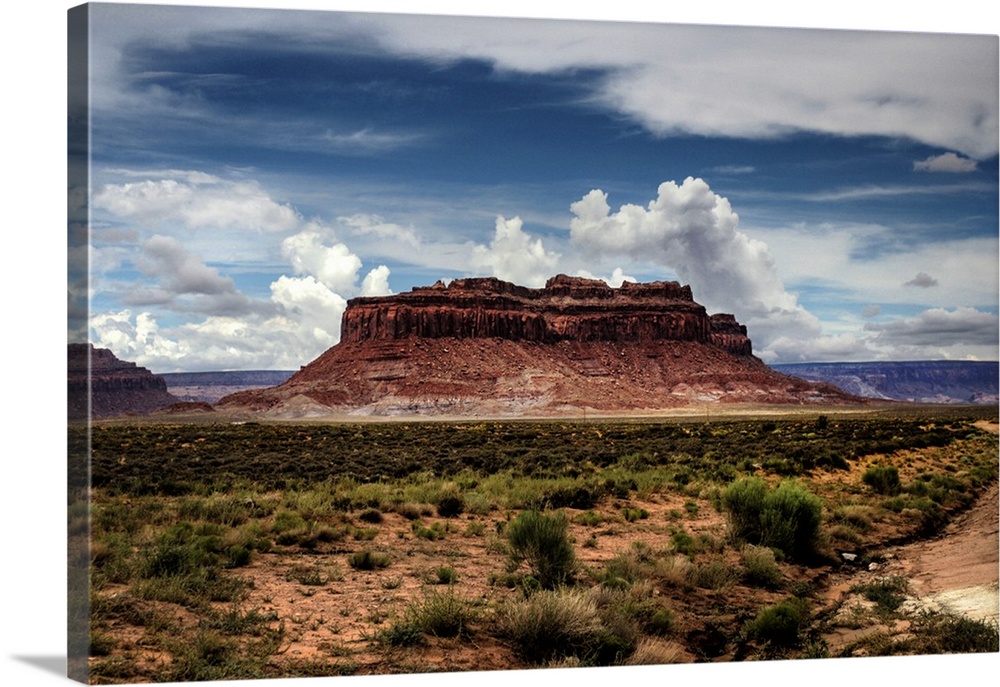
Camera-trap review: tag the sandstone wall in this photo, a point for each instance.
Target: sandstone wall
(567, 308)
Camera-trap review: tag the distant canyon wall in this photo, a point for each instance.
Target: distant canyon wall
(100, 385)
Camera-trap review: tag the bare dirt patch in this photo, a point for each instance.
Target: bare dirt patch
(957, 570)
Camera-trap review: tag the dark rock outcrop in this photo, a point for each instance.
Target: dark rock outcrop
(489, 347)
(116, 387)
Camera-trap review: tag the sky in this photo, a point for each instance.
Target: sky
(252, 170)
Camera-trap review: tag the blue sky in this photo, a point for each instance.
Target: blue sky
(252, 170)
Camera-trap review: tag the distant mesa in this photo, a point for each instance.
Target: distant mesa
(914, 381)
(116, 387)
(483, 346)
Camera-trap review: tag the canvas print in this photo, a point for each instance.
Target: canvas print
(406, 343)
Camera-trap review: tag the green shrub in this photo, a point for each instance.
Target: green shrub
(781, 623)
(441, 615)
(368, 560)
(787, 517)
(883, 479)
(412, 511)
(684, 543)
(743, 503)
(633, 514)
(791, 520)
(588, 518)
(959, 634)
(551, 624)
(760, 567)
(542, 541)
(714, 574)
(212, 656)
(237, 556)
(628, 566)
(854, 515)
(372, 516)
(888, 593)
(234, 622)
(477, 504)
(309, 575)
(101, 643)
(661, 622)
(572, 493)
(475, 528)
(400, 634)
(450, 506)
(618, 635)
(364, 533)
(446, 575)
(675, 570)
(184, 566)
(433, 533)
(286, 521)
(183, 550)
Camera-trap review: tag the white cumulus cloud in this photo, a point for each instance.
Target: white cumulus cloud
(313, 252)
(211, 323)
(513, 255)
(376, 282)
(694, 232)
(304, 321)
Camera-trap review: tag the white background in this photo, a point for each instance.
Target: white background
(32, 331)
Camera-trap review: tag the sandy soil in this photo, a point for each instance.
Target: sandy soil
(955, 572)
(958, 570)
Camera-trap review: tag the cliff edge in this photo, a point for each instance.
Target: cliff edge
(483, 346)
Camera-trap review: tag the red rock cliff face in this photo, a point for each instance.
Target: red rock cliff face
(484, 347)
(567, 309)
(730, 335)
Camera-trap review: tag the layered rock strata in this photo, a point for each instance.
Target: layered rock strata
(112, 386)
(567, 309)
(489, 347)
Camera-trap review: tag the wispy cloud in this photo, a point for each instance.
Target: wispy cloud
(734, 169)
(368, 140)
(940, 328)
(874, 192)
(196, 200)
